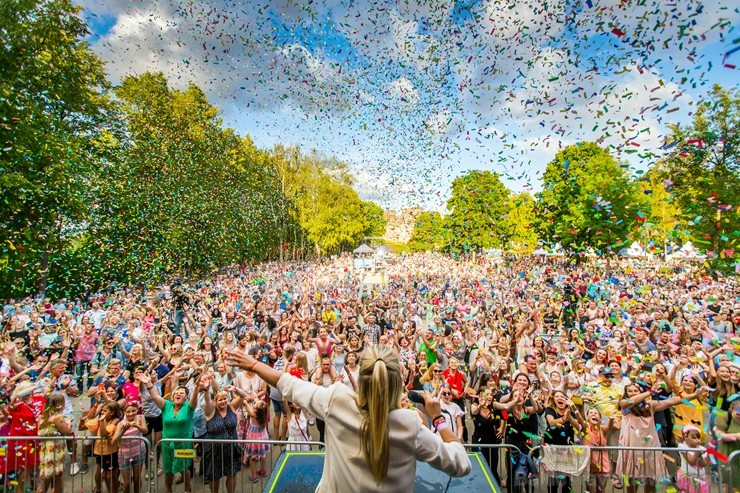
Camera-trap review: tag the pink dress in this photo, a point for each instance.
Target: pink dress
(600, 463)
(256, 450)
(640, 432)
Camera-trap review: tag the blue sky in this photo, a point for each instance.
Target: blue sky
(412, 94)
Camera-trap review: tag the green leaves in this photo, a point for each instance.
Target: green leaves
(483, 215)
(54, 107)
(587, 200)
(704, 169)
(429, 233)
(330, 214)
(478, 206)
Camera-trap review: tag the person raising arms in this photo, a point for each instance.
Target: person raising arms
(370, 425)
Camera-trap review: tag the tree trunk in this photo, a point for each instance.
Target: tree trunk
(44, 270)
(717, 231)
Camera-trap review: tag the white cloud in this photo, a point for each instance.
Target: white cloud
(418, 90)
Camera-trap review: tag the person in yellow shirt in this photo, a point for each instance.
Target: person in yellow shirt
(604, 395)
(689, 413)
(329, 316)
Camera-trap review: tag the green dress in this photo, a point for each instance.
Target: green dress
(180, 426)
(728, 448)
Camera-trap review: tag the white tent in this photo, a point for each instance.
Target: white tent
(635, 250)
(383, 251)
(364, 249)
(557, 251)
(540, 251)
(687, 252)
(494, 252)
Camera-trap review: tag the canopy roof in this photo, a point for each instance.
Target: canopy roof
(364, 249)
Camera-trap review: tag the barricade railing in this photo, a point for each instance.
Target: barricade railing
(43, 464)
(582, 468)
(729, 472)
(223, 461)
(498, 456)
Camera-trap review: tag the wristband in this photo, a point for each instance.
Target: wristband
(251, 368)
(150, 387)
(441, 426)
(437, 417)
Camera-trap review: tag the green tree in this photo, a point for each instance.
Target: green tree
(184, 195)
(53, 108)
(477, 206)
(519, 224)
(333, 216)
(704, 168)
(663, 222)
(587, 200)
(328, 210)
(373, 218)
(429, 233)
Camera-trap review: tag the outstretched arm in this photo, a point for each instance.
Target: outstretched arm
(247, 362)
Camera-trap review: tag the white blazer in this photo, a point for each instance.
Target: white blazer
(345, 468)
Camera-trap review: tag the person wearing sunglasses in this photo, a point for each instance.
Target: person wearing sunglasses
(452, 413)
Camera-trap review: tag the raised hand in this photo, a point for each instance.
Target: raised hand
(240, 359)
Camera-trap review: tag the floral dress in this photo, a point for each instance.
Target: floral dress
(51, 452)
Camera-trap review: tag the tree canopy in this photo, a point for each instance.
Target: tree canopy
(54, 107)
(477, 208)
(703, 170)
(587, 200)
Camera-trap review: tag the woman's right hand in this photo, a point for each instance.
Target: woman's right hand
(431, 405)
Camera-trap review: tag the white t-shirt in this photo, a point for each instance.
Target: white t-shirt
(689, 470)
(248, 385)
(451, 411)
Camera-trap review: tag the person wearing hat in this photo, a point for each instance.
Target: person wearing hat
(605, 395)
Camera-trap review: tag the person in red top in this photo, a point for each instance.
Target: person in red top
(456, 382)
(22, 455)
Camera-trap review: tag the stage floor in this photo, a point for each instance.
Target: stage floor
(298, 472)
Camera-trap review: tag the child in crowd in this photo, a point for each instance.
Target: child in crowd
(595, 436)
(257, 411)
(693, 475)
(298, 429)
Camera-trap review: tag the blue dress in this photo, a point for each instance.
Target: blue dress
(221, 459)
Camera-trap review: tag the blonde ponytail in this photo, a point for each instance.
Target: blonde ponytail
(378, 393)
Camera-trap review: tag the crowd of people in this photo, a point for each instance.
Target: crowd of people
(520, 351)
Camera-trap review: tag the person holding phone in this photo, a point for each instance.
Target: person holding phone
(563, 420)
(390, 439)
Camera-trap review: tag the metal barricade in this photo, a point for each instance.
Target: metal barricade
(581, 468)
(729, 472)
(230, 461)
(498, 458)
(42, 464)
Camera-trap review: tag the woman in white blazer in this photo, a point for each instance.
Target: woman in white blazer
(371, 443)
